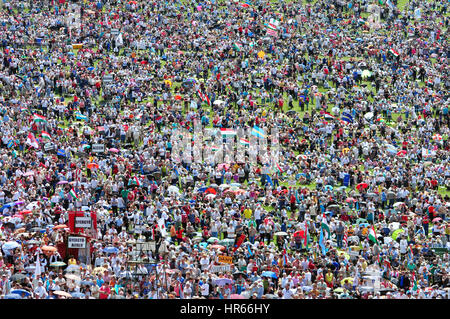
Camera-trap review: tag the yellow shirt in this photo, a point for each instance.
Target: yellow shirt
(248, 213)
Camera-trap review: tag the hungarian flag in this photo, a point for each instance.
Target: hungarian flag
(272, 33)
(285, 260)
(46, 135)
(39, 118)
(373, 235)
(201, 95)
(393, 52)
(31, 140)
(227, 132)
(73, 194)
(345, 239)
(244, 142)
(325, 226)
(207, 100)
(136, 180)
(280, 170)
(237, 46)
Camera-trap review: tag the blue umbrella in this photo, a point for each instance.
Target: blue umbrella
(12, 296)
(86, 282)
(111, 250)
(328, 187)
(269, 274)
(77, 294)
(20, 292)
(201, 190)
(10, 245)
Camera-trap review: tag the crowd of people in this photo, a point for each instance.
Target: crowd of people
(355, 207)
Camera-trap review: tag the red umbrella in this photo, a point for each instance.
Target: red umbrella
(362, 186)
(211, 191)
(401, 153)
(217, 247)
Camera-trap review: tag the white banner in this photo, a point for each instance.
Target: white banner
(76, 242)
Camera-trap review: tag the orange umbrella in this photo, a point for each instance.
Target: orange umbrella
(61, 226)
(177, 97)
(92, 165)
(48, 248)
(211, 191)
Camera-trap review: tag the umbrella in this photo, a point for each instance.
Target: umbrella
(269, 274)
(173, 189)
(49, 248)
(212, 239)
(11, 245)
(58, 264)
(72, 268)
(73, 277)
(12, 296)
(401, 153)
(395, 225)
(99, 270)
(361, 220)
(220, 247)
(223, 281)
(86, 283)
(92, 165)
(339, 290)
(437, 219)
(349, 279)
(210, 196)
(239, 273)
(328, 187)
(362, 186)
(62, 293)
(398, 204)
(62, 182)
(281, 233)
(60, 226)
(211, 191)
(366, 74)
(396, 233)
(114, 150)
(236, 296)
(223, 186)
(368, 115)
(437, 137)
(350, 199)
(20, 292)
(227, 241)
(77, 295)
(111, 250)
(17, 277)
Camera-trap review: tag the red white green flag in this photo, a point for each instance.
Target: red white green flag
(394, 53)
(373, 235)
(39, 118)
(46, 135)
(73, 194)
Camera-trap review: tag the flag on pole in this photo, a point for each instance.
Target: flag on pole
(237, 46)
(393, 52)
(244, 142)
(73, 194)
(201, 95)
(38, 269)
(46, 135)
(373, 235)
(207, 100)
(31, 140)
(325, 226)
(227, 132)
(347, 117)
(279, 169)
(322, 242)
(39, 118)
(258, 132)
(80, 116)
(285, 260)
(136, 180)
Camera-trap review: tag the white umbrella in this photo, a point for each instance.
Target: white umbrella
(173, 189)
(368, 115)
(218, 102)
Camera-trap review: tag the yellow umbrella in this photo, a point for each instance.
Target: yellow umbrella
(99, 269)
(168, 82)
(348, 279)
(343, 253)
(261, 54)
